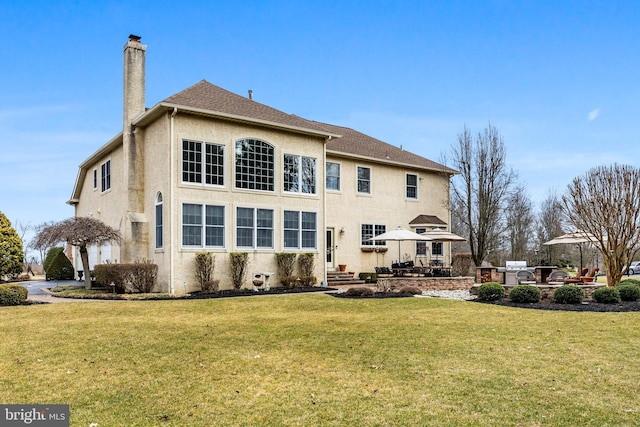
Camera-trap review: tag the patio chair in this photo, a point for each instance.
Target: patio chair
(577, 278)
(557, 277)
(590, 277)
(525, 277)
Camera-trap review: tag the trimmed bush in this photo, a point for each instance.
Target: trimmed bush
(204, 264)
(12, 294)
(306, 264)
(629, 282)
(411, 290)
(606, 295)
(288, 282)
(60, 268)
(51, 254)
(490, 291)
(140, 276)
(308, 281)
(525, 294)
(286, 264)
(368, 277)
(239, 263)
(628, 291)
(359, 292)
(568, 294)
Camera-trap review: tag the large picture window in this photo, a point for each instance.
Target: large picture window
(364, 180)
(368, 231)
(299, 174)
(105, 178)
(333, 176)
(254, 165)
(202, 225)
(254, 228)
(199, 156)
(300, 230)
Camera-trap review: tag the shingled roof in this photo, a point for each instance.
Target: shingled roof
(209, 97)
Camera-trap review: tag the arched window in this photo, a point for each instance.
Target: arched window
(254, 165)
(159, 220)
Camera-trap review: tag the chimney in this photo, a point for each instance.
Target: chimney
(250, 94)
(134, 54)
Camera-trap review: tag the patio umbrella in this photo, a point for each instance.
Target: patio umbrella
(443, 236)
(577, 237)
(400, 234)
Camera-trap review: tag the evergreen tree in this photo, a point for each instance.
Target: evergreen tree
(11, 255)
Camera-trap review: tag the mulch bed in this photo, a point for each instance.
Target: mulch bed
(374, 295)
(230, 293)
(625, 306)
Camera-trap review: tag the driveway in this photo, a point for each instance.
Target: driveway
(38, 291)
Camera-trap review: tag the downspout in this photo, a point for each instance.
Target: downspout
(172, 208)
(324, 215)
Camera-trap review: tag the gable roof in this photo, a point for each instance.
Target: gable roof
(427, 220)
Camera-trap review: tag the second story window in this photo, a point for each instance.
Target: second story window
(299, 174)
(364, 180)
(254, 165)
(202, 163)
(412, 186)
(333, 176)
(105, 178)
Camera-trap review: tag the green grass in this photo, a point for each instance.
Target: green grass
(317, 360)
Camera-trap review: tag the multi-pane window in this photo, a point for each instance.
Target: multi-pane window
(159, 221)
(364, 180)
(412, 186)
(254, 228)
(105, 178)
(368, 231)
(421, 246)
(333, 176)
(436, 249)
(200, 156)
(300, 230)
(299, 174)
(254, 161)
(202, 223)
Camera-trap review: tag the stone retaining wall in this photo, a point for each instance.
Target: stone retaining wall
(430, 283)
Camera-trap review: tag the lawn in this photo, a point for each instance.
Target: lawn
(317, 360)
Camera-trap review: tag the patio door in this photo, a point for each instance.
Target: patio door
(330, 248)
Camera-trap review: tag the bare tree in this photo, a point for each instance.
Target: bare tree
(481, 190)
(606, 203)
(80, 232)
(22, 229)
(520, 221)
(549, 225)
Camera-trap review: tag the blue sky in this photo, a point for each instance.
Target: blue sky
(558, 79)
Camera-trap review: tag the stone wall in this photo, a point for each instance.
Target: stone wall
(430, 283)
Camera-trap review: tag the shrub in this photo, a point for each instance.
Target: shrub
(411, 290)
(211, 286)
(308, 281)
(205, 263)
(525, 294)
(629, 282)
(286, 264)
(368, 277)
(51, 254)
(490, 291)
(239, 263)
(628, 291)
(60, 268)
(359, 292)
(568, 294)
(606, 295)
(12, 294)
(140, 276)
(289, 282)
(306, 264)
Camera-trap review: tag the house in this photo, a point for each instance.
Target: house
(209, 170)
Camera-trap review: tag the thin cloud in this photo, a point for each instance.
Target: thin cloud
(594, 114)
